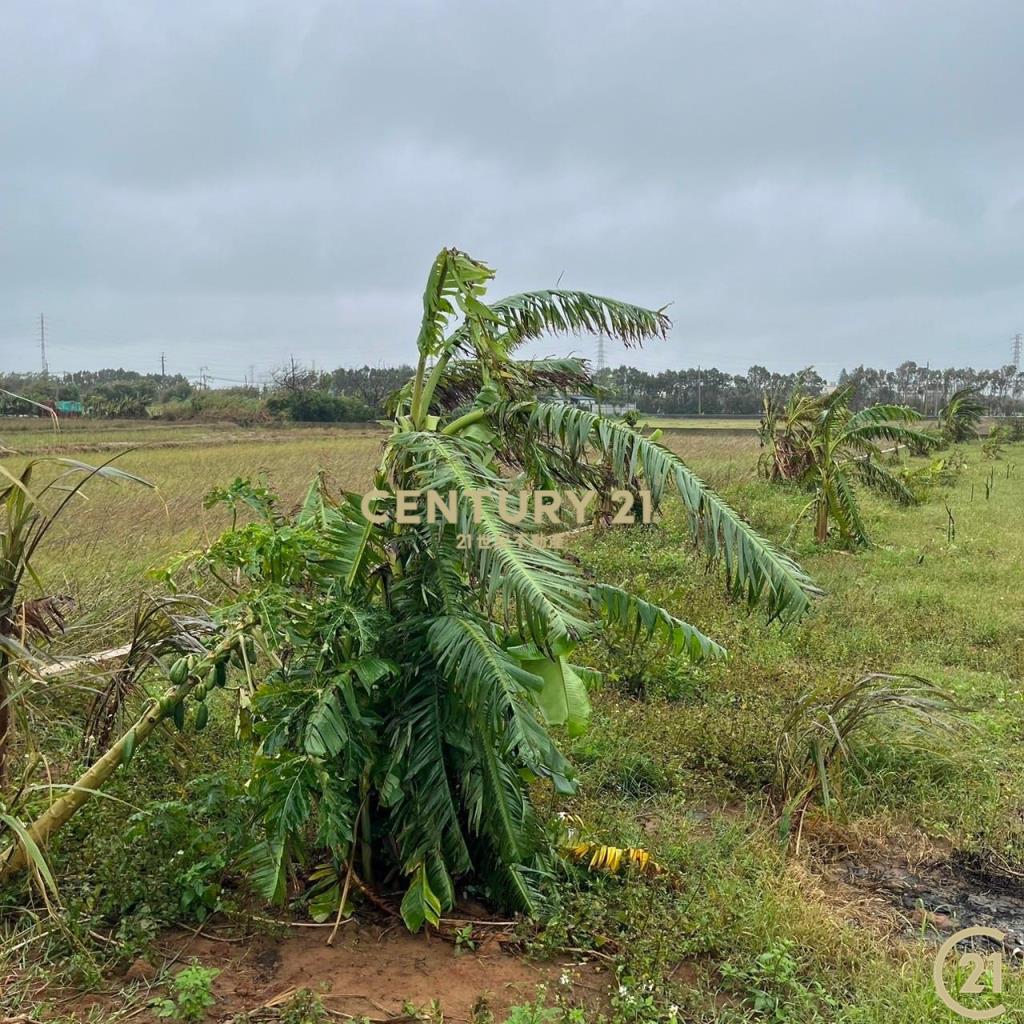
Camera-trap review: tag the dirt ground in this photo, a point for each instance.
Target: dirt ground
(371, 971)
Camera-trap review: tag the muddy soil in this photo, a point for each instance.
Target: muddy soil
(941, 894)
(372, 971)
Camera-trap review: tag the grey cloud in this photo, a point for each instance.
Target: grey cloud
(828, 183)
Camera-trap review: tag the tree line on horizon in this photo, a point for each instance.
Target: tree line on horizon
(302, 394)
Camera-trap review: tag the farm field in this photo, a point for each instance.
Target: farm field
(34, 436)
(828, 916)
(741, 424)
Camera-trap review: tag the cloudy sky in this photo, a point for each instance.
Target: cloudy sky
(232, 183)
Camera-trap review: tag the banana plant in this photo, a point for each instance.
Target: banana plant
(821, 444)
(422, 668)
(415, 671)
(961, 415)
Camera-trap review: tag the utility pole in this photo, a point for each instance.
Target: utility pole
(42, 344)
(1015, 343)
(700, 397)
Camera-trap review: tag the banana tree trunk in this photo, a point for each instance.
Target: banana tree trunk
(13, 859)
(821, 521)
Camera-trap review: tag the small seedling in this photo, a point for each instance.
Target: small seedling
(464, 939)
(305, 1007)
(191, 994)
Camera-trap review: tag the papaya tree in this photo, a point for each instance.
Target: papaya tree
(418, 641)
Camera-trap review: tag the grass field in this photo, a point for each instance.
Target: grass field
(679, 760)
(744, 425)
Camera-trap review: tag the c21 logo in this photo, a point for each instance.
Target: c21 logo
(985, 973)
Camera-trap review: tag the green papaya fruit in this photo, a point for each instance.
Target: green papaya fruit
(178, 672)
(202, 716)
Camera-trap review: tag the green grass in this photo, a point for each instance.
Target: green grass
(705, 738)
(679, 759)
(118, 532)
(741, 425)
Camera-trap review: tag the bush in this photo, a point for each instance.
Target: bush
(319, 407)
(243, 408)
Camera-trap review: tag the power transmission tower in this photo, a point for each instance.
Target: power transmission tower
(163, 370)
(1015, 343)
(42, 344)
(601, 362)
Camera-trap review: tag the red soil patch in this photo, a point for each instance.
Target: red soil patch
(370, 971)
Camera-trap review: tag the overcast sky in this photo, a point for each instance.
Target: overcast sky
(234, 183)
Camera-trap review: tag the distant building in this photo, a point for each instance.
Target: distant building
(607, 408)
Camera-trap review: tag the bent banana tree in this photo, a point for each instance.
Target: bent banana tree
(418, 664)
(820, 443)
(425, 660)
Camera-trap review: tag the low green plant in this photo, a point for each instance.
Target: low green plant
(464, 940)
(536, 1012)
(773, 988)
(995, 443)
(190, 996)
(305, 1007)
